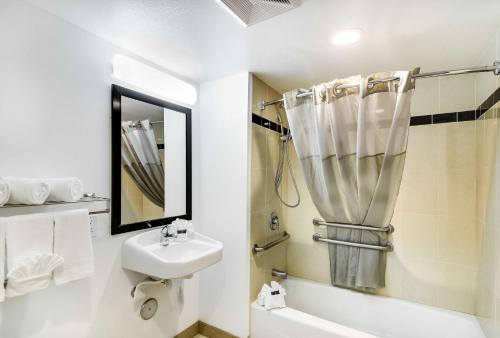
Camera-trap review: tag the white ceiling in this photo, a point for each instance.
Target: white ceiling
(200, 40)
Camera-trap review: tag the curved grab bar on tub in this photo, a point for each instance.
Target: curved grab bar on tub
(257, 248)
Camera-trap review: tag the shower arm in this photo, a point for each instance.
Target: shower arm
(495, 68)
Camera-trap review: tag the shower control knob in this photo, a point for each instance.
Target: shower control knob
(274, 223)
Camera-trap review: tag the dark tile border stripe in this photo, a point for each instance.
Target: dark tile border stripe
(488, 103)
(444, 118)
(468, 115)
(461, 116)
(420, 120)
(263, 122)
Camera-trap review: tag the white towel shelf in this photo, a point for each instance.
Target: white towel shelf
(19, 209)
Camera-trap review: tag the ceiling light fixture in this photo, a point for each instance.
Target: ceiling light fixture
(346, 37)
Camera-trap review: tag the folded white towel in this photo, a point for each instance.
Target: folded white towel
(32, 273)
(27, 190)
(30, 258)
(272, 297)
(2, 258)
(4, 192)
(68, 189)
(73, 242)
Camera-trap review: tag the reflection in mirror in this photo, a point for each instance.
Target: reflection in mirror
(153, 155)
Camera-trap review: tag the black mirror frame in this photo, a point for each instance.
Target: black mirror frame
(116, 112)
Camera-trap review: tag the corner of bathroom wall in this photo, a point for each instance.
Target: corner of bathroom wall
(488, 196)
(224, 200)
(265, 152)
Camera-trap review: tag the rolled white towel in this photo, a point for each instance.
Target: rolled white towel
(67, 189)
(27, 190)
(4, 192)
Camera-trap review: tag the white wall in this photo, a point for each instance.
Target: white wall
(224, 201)
(55, 90)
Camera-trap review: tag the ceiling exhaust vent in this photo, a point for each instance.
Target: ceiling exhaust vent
(250, 12)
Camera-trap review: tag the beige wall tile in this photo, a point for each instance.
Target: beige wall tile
(418, 236)
(496, 262)
(457, 288)
(258, 228)
(393, 277)
(458, 142)
(485, 311)
(490, 136)
(265, 151)
(419, 192)
(457, 241)
(481, 158)
(259, 147)
(457, 193)
(420, 280)
(486, 194)
(308, 259)
(424, 143)
(258, 189)
(426, 97)
(457, 93)
(487, 251)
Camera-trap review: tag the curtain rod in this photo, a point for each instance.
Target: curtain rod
(495, 68)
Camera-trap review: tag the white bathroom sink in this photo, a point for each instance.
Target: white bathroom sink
(143, 253)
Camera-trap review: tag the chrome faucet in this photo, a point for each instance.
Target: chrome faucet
(168, 234)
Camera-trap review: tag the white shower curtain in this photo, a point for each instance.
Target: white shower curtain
(141, 160)
(351, 144)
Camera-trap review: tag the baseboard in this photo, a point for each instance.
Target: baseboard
(213, 332)
(205, 330)
(190, 332)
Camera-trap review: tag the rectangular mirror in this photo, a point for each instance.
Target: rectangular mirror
(151, 161)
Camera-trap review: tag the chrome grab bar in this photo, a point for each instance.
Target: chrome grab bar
(319, 238)
(388, 229)
(257, 248)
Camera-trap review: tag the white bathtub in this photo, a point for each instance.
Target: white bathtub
(318, 310)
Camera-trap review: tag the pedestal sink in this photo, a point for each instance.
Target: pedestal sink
(143, 253)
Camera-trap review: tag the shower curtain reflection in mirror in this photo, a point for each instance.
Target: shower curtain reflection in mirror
(141, 160)
(143, 175)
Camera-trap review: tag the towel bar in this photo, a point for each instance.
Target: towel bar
(97, 212)
(87, 199)
(388, 229)
(319, 238)
(257, 248)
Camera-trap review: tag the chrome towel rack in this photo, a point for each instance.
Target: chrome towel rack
(265, 247)
(388, 247)
(388, 229)
(19, 209)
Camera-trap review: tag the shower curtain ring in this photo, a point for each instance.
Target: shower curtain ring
(337, 91)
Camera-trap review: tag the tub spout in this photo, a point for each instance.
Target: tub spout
(279, 273)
